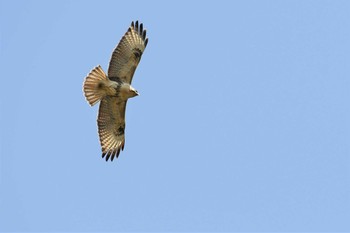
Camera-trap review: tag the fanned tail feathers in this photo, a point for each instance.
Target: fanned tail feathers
(93, 85)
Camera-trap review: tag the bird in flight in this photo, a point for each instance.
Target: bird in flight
(114, 89)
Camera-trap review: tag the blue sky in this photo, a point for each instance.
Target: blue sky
(242, 123)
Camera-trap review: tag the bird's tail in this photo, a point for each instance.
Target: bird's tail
(92, 85)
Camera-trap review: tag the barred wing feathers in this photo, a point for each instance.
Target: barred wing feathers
(127, 55)
(111, 126)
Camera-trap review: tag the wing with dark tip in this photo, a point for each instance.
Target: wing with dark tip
(111, 126)
(127, 55)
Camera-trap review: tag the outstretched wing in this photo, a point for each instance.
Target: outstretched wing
(111, 126)
(127, 55)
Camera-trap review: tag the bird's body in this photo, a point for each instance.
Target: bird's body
(114, 90)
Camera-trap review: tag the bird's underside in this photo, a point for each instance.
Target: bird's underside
(113, 90)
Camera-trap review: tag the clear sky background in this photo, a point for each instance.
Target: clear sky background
(242, 123)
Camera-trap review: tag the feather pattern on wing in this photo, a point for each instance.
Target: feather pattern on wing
(127, 55)
(111, 126)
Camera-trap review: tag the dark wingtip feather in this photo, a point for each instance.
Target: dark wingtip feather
(141, 28)
(137, 25)
(112, 157)
(132, 24)
(108, 155)
(146, 42)
(144, 34)
(103, 154)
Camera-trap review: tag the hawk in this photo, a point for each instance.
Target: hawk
(114, 90)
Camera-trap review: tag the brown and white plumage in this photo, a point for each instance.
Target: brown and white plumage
(115, 89)
(127, 54)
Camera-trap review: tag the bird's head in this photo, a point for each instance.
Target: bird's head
(133, 92)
